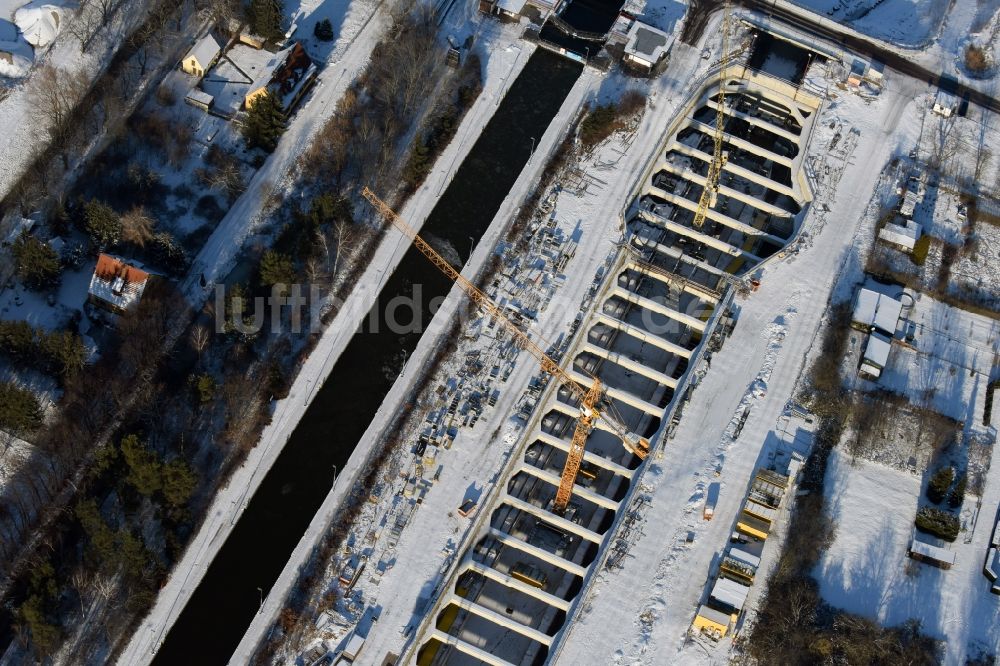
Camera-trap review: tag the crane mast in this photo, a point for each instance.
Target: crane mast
(590, 399)
(710, 193)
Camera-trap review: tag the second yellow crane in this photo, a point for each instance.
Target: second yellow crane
(710, 192)
(591, 399)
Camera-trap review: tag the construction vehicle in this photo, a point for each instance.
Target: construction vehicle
(592, 401)
(710, 193)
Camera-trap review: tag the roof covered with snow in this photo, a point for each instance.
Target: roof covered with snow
(117, 283)
(905, 235)
(199, 96)
(879, 310)
(877, 350)
(933, 552)
(730, 592)
(646, 42)
(205, 50)
(511, 6)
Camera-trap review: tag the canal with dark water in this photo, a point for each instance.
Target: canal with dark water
(591, 16)
(222, 607)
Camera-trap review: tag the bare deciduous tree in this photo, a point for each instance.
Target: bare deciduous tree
(199, 339)
(137, 226)
(85, 24)
(345, 235)
(55, 92)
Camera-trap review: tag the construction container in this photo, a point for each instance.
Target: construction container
(353, 647)
(711, 499)
(730, 594)
(712, 622)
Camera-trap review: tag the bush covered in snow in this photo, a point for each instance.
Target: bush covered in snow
(36, 262)
(937, 522)
(937, 489)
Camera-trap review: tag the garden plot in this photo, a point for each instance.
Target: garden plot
(184, 169)
(945, 360)
(957, 257)
(893, 432)
(866, 569)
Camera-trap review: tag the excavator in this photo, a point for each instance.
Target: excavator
(593, 406)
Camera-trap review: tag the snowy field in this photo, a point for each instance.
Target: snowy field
(904, 22)
(867, 571)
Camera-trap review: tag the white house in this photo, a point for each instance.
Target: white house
(873, 310)
(201, 56)
(876, 355)
(903, 236)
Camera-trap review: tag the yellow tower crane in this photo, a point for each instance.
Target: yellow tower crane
(710, 193)
(591, 399)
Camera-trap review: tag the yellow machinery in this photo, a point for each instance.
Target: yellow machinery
(591, 399)
(710, 192)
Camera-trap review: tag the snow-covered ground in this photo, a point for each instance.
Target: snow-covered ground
(947, 362)
(866, 570)
(758, 367)
(904, 22)
(23, 129)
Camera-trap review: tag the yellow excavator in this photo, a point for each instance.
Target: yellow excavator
(591, 399)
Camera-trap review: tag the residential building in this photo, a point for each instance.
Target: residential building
(287, 75)
(116, 286)
(875, 311)
(201, 56)
(903, 236)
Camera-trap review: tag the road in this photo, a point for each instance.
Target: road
(822, 28)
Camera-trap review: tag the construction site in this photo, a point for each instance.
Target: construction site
(725, 192)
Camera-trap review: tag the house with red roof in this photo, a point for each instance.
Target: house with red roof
(116, 286)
